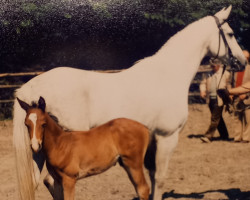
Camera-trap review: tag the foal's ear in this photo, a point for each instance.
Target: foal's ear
(42, 104)
(23, 104)
(224, 13)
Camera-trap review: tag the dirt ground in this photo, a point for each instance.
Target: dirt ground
(218, 170)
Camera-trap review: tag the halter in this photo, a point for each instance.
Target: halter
(234, 63)
(232, 60)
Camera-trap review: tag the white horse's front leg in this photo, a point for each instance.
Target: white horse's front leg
(49, 183)
(164, 150)
(38, 163)
(55, 188)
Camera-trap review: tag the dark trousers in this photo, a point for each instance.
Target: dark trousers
(217, 121)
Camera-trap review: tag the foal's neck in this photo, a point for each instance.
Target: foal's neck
(52, 133)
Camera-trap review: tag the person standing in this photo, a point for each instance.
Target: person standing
(208, 89)
(243, 129)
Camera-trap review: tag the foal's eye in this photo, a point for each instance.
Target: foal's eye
(44, 125)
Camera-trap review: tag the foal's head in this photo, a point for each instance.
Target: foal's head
(35, 121)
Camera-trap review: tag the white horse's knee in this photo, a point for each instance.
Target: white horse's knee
(49, 183)
(36, 174)
(38, 163)
(164, 151)
(48, 180)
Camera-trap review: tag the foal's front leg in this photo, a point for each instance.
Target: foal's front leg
(68, 187)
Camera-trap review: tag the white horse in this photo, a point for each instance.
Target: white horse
(154, 92)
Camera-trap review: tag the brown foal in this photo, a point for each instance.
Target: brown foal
(71, 155)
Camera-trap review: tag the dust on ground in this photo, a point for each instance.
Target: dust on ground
(218, 170)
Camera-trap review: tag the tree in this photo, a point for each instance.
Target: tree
(179, 13)
(104, 34)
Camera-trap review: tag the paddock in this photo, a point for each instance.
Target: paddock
(219, 170)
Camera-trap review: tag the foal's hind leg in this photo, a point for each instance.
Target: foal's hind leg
(134, 169)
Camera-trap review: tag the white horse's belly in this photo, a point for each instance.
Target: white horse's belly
(62, 88)
(161, 114)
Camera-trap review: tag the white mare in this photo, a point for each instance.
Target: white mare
(154, 92)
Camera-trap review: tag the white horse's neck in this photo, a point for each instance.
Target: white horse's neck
(184, 52)
(181, 56)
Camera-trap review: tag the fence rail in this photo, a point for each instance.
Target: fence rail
(7, 101)
(202, 69)
(20, 74)
(9, 86)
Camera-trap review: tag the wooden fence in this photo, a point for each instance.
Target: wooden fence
(9, 82)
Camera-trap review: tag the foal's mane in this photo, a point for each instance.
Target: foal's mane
(55, 119)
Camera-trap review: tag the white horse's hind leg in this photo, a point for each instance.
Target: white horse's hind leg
(164, 150)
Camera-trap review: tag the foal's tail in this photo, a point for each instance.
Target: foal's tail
(23, 155)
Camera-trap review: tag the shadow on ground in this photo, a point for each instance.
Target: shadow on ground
(198, 136)
(231, 194)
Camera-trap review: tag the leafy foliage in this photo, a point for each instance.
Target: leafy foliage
(100, 34)
(179, 13)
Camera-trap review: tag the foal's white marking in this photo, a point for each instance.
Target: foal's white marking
(34, 141)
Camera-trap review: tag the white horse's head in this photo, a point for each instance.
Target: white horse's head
(223, 43)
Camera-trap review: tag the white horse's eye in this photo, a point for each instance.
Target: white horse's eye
(230, 34)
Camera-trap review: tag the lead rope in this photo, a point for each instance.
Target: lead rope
(226, 45)
(223, 71)
(229, 108)
(221, 33)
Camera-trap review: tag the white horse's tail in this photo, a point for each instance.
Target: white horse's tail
(23, 154)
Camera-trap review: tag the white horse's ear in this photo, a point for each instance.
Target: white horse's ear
(224, 13)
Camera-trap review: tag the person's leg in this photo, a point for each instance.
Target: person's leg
(246, 132)
(239, 121)
(222, 128)
(216, 113)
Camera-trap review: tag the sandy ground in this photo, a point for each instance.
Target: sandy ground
(218, 170)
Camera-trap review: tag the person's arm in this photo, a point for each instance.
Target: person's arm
(203, 88)
(244, 88)
(228, 80)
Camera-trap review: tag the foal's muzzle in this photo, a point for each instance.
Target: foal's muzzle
(36, 148)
